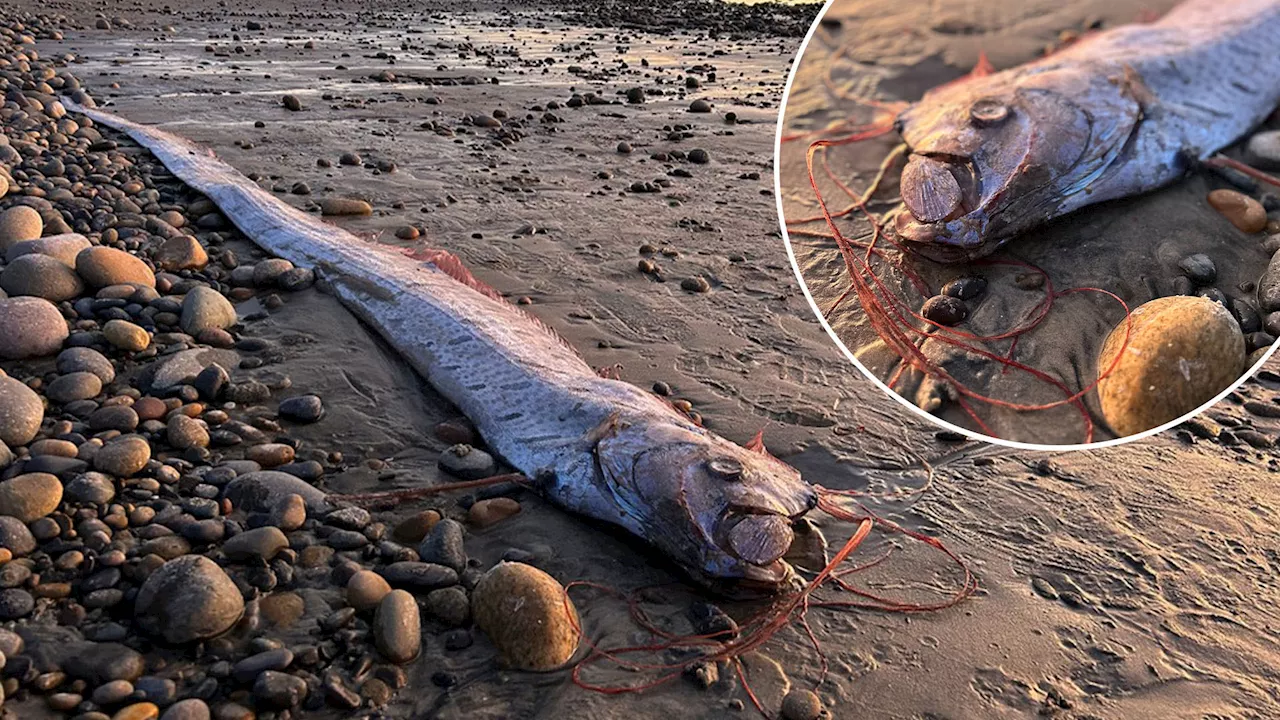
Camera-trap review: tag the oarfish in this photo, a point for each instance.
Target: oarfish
(593, 445)
(1118, 113)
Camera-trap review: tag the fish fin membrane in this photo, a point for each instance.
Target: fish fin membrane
(983, 67)
(757, 443)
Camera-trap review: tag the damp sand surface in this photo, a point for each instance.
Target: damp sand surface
(1131, 582)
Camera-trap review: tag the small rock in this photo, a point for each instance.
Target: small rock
(467, 463)
(189, 709)
(397, 627)
(63, 248)
(15, 603)
(1241, 210)
(527, 616)
(303, 409)
(41, 276)
(104, 266)
(944, 310)
(205, 308)
(261, 543)
(19, 223)
(449, 605)
(345, 206)
(259, 491)
(30, 327)
(442, 546)
(279, 690)
(124, 456)
(414, 528)
(270, 455)
(289, 513)
(484, 513)
(700, 106)
(1199, 268)
(74, 386)
(126, 336)
(21, 412)
(366, 589)
(83, 359)
(965, 288)
(291, 102)
(30, 497)
(801, 705)
(184, 432)
(1181, 352)
(15, 536)
(186, 599)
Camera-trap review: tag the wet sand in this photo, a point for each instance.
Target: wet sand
(1134, 582)
(1130, 247)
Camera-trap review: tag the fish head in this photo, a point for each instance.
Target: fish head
(995, 155)
(723, 512)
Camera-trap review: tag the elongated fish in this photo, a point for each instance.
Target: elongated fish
(1118, 113)
(595, 446)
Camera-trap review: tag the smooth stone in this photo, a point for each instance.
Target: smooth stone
(449, 605)
(185, 432)
(527, 615)
(126, 335)
(801, 704)
(41, 276)
(63, 247)
(15, 536)
(105, 266)
(261, 543)
(204, 308)
(138, 711)
(248, 669)
(289, 513)
(100, 663)
(484, 513)
(414, 528)
(345, 206)
(279, 690)
(30, 327)
(1199, 269)
(15, 603)
(187, 599)
(444, 545)
(182, 252)
(74, 386)
(1241, 210)
(184, 366)
(189, 709)
(467, 463)
(90, 488)
(123, 457)
(419, 575)
(21, 412)
(1263, 150)
(30, 497)
(259, 491)
(397, 627)
(83, 359)
(19, 223)
(1182, 351)
(303, 408)
(366, 589)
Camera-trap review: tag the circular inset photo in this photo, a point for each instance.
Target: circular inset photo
(1042, 228)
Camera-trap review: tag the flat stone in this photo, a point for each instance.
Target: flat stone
(100, 663)
(123, 456)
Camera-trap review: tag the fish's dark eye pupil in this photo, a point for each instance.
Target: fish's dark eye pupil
(725, 468)
(988, 112)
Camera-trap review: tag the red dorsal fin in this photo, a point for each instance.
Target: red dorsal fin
(983, 67)
(757, 443)
(610, 372)
(451, 265)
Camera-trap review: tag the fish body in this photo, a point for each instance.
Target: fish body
(1118, 113)
(596, 446)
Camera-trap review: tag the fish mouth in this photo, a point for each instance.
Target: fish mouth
(941, 216)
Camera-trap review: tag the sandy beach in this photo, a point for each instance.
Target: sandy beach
(1130, 582)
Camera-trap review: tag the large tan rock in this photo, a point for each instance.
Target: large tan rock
(527, 616)
(31, 496)
(1181, 352)
(104, 266)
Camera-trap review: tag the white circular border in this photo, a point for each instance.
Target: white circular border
(791, 256)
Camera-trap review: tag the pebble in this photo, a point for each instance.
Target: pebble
(289, 513)
(695, 285)
(83, 359)
(345, 206)
(41, 276)
(419, 575)
(124, 456)
(189, 709)
(270, 455)
(801, 704)
(21, 412)
(1263, 150)
(302, 409)
(484, 513)
(449, 605)
(15, 536)
(944, 310)
(967, 287)
(74, 386)
(138, 711)
(700, 106)
(112, 693)
(204, 308)
(90, 488)
(397, 627)
(1241, 210)
(261, 543)
(444, 545)
(30, 327)
(63, 248)
(1182, 351)
(1199, 269)
(467, 463)
(30, 497)
(126, 336)
(366, 589)
(184, 432)
(259, 491)
(267, 273)
(182, 252)
(187, 599)
(101, 662)
(526, 615)
(15, 603)
(104, 266)
(414, 528)
(248, 669)
(279, 690)
(19, 223)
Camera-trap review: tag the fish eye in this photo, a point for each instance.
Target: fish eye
(988, 111)
(725, 468)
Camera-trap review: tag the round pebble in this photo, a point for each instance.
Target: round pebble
(74, 386)
(205, 308)
(126, 336)
(21, 412)
(801, 704)
(30, 496)
(1241, 210)
(484, 513)
(1181, 352)
(397, 627)
(19, 223)
(467, 463)
(104, 266)
(123, 457)
(944, 310)
(83, 359)
(527, 616)
(30, 327)
(366, 589)
(41, 276)
(187, 599)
